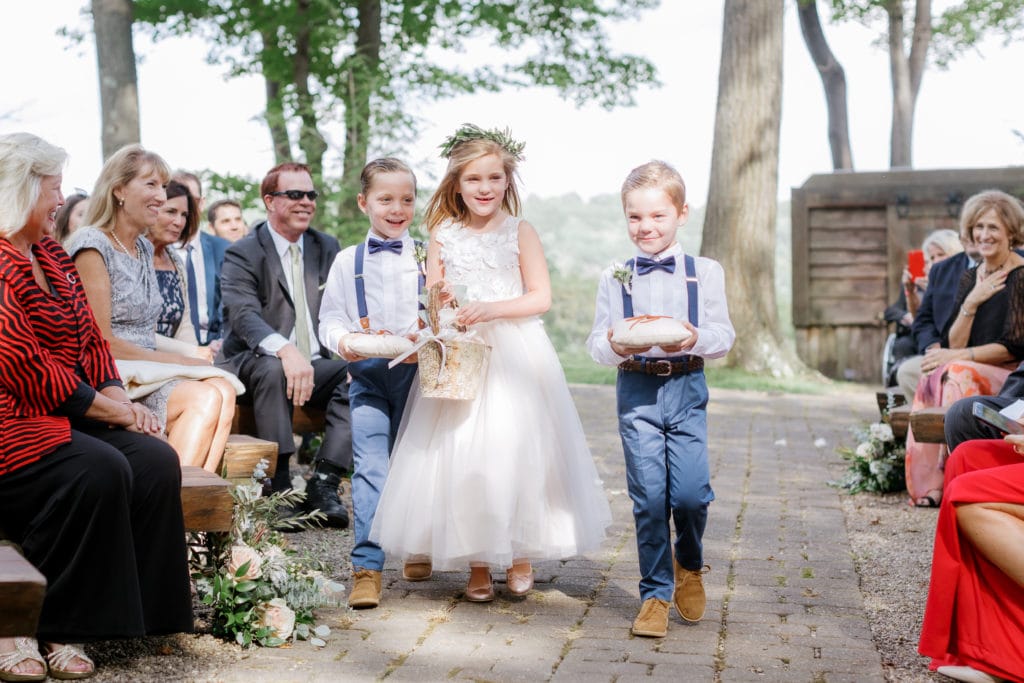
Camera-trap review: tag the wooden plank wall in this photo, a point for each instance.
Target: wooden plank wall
(851, 232)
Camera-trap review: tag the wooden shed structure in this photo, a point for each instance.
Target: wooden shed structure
(851, 233)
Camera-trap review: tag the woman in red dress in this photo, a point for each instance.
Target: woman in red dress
(974, 619)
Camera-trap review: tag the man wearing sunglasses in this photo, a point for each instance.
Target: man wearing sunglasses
(270, 338)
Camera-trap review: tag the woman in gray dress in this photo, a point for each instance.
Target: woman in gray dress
(116, 263)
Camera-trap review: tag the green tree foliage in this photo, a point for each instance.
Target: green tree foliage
(958, 28)
(914, 43)
(367, 63)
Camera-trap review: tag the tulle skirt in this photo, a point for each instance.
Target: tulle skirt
(505, 476)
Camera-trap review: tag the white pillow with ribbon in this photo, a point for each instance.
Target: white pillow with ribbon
(377, 345)
(643, 331)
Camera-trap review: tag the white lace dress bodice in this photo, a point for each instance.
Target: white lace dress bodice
(486, 263)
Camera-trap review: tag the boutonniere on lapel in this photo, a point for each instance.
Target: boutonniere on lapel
(623, 275)
(419, 252)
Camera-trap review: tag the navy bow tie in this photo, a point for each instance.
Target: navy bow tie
(394, 246)
(646, 265)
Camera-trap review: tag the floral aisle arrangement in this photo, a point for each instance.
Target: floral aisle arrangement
(260, 591)
(876, 463)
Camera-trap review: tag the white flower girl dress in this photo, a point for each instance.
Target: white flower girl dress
(507, 475)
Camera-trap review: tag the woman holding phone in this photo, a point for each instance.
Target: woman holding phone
(938, 246)
(984, 340)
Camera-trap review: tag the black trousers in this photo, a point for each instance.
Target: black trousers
(265, 386)
(961, 425)
(101, 518)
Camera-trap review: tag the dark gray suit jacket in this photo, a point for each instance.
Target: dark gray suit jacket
(254, 292)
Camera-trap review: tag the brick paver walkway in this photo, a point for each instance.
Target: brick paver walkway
(783, 596)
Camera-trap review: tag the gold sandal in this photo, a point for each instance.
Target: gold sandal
(25, 650)
(59, 659)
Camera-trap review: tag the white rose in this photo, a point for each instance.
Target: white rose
(864, 450)
(881, 431)
(277, 616)
(240, 554)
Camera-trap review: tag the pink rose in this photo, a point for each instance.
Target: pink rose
(240, 554)
(278, 617)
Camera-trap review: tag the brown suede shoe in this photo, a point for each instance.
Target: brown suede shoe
(417, 570)
(689, 597)
(366, 589)
(652, 622)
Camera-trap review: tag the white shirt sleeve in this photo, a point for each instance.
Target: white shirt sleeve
(338, 311)
(715, 333)
(607, 310)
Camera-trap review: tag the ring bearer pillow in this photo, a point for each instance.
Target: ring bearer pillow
(644, 331)
(379, 345)
(452, 360)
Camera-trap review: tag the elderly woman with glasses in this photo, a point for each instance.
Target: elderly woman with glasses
(86, 490)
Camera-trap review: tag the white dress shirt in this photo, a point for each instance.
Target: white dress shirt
(392, 292)
(199, 264)
(663, 293)
(274, 342)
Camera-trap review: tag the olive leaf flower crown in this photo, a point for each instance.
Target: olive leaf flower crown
(469, 131)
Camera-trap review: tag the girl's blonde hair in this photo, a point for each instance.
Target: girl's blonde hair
(123, 165)
(1007, 207)
(447, 203)
(25, 160)
(658, 175)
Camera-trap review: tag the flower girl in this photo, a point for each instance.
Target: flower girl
(505, 478)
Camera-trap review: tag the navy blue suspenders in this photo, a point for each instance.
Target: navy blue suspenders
(364, 314)
(690, 266)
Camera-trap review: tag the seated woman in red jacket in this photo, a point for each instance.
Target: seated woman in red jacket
(974, 620)
(92, 498)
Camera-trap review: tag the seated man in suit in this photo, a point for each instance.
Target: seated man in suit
(271, 285)
(202, 256)
(960, 423)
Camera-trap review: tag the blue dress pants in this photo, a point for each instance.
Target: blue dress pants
(663, 425)
(377, 398)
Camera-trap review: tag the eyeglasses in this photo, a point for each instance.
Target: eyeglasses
(296, 195)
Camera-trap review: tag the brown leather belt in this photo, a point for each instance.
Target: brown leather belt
(664, 367)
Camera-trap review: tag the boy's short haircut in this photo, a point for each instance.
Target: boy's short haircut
(659, 175)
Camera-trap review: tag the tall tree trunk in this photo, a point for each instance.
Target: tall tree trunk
(906, 72)
(739, 221)
(277, 121)
(833, 79)
(311, 142)
(115, 58)
(363, 68)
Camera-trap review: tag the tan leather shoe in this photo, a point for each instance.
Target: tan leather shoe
(417, 570)
(479, 592)
(689, 597)
(365, 590)
(652, 622)
(519, 578)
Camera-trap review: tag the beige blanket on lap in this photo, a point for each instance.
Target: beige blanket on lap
(143, 377)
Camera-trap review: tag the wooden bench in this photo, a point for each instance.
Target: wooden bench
(22, 588)
(928, 424)
(304, 420)
(207, 506)
(899, 420)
